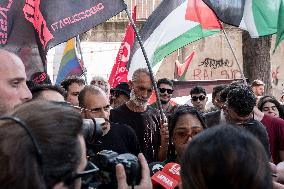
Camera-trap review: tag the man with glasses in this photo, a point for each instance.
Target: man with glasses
(116, 137)
(238, 110)
(165, 87)
(198, 98)
(144, 119)
(50, 151)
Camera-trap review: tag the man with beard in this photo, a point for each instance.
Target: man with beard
(13, 88)
(258, 87)
(116, 137)
(165, 87)
(144, 119)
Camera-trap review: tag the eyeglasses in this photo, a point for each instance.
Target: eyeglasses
(201, 98)
(86, 175)
(245, 124)
(96, 110)
(163, 90)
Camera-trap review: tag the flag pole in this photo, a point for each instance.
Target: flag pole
(83, 63)
(235, 56)
(147, 62)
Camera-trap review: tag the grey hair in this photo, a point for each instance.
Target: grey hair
(139, 71)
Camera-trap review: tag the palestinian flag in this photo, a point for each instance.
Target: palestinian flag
(280, 29)
(171, 26)
(181, 69)
(258, 17)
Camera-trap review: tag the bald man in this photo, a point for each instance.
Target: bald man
(13, 88)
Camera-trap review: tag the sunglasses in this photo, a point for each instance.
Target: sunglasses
(201, 98)
(163, 90)
(181, 137)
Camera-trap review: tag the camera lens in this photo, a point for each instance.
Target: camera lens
(92, 129)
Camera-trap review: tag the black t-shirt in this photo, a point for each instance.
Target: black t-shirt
(120, 138)
(257, 129)
(146, 126)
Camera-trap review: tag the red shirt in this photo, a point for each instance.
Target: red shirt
(275, 131)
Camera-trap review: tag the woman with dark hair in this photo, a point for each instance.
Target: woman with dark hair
(185, 122)
(269, 105)
(225, 157)
(41, 146)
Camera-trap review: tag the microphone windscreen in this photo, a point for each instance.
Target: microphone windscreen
(163, 180)
(173, 170)
(155, 167)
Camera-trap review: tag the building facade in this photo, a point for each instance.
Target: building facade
(213, 58)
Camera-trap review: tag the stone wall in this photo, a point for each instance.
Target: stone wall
(213, 59)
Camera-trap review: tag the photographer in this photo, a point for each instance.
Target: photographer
(49, 152)
(116, 137)
(49, 149)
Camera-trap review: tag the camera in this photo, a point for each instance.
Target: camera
(107, 160)
(92, 129)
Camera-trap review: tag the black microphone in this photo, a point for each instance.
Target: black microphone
(155, 167)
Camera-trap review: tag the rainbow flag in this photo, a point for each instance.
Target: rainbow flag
(70, 65)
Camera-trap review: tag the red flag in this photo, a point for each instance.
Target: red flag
(119, 71)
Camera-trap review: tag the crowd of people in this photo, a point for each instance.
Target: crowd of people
(238, 142)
